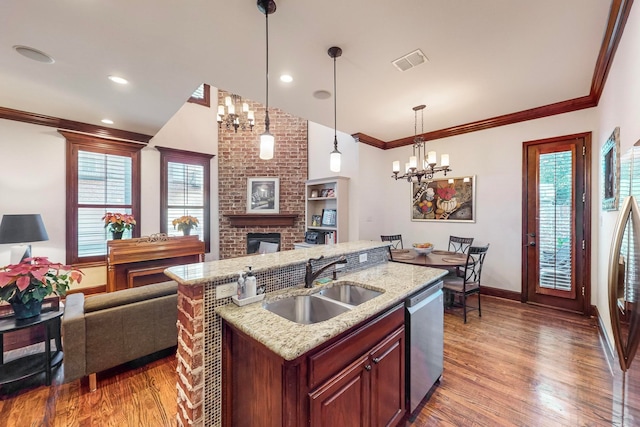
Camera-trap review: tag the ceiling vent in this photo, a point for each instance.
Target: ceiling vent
(410, 60)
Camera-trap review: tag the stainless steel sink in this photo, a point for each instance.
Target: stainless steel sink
(306, 309)
(350, 293)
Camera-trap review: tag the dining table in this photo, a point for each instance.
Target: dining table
(436, 258)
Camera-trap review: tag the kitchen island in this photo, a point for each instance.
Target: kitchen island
(200, 341)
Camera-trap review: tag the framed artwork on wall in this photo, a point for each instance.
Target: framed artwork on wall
(446, 199)
(611, 172)
(328, 217)
(263, 195)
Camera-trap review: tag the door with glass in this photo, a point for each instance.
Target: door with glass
(556, 222)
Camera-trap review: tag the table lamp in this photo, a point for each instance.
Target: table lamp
(22, 229)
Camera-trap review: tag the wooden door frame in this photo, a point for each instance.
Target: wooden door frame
(586, 253)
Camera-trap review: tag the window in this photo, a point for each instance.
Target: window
(201, 95)
(103, 176)
(185, 183)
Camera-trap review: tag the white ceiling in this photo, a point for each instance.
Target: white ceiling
(486, 58)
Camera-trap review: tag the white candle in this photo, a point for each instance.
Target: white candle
(245, 107)
(250, 115)
(432, 158)
(221, 110)
(231, 108)
(227, 100)
(413, 162)
(444, 160)
(396, 166)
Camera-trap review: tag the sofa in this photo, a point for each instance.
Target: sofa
(107, 330)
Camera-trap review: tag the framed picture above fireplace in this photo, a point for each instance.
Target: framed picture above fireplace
(263, 195)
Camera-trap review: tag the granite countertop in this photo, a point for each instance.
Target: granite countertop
(290, 340)
(203, 272)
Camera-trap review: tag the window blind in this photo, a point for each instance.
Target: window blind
(555, 216)
(185, 195)
(104, 185)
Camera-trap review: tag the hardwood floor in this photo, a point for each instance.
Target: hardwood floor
(518, 365)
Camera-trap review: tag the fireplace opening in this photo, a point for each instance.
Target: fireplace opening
(269, 239)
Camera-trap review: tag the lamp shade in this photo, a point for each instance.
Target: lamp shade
(22, 229)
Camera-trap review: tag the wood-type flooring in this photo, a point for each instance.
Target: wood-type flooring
(518, 365)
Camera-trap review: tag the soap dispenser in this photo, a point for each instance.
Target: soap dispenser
(250, 284)
(242, 292)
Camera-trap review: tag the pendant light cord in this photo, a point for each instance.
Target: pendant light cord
(335, 108)
(266, 14)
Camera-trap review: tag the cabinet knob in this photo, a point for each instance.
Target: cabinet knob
(367, 367)
(376, 360)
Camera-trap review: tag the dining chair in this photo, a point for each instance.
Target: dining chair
(459, 244)
(458, 289)
(395, 239)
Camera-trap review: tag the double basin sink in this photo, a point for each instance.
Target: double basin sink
(323, 305)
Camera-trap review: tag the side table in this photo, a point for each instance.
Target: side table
(32, 364)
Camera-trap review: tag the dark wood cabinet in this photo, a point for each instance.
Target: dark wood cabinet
(344, 400)
(355, 379)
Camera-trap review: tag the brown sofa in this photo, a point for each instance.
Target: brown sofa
(107, 330)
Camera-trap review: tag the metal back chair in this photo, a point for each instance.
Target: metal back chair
(395, 239)
(459, 244)
(468, 284)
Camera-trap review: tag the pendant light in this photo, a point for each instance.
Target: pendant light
(267, 141)
(334, 159)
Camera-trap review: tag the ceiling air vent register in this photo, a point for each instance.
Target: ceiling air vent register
(410, 60)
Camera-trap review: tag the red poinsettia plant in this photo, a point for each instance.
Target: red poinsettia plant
(118, 221)
(36, 278)
(446, 193)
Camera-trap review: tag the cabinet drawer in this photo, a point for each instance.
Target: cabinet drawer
(326, 362)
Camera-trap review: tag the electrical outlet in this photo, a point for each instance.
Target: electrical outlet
(226, 290)
(363, 257)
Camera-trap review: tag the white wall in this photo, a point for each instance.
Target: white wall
(32, 178)
(619, 106)
(320, 143)
(192, 128)
(494, 157)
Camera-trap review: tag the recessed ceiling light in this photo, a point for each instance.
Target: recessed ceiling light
(286, 78)
(107, 121)
(119, 80)
(35, 54)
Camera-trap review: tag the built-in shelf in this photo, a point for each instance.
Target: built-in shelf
(267, 220)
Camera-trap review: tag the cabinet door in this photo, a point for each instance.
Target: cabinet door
(387, 380)
(343, 400)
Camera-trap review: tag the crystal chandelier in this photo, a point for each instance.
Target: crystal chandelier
(421, 166)
(235, 114)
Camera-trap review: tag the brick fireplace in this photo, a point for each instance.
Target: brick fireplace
(238, 159)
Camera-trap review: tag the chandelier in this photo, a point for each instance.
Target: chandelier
(421, 166)
(235, 114)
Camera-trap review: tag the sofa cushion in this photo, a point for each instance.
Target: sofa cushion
(128, 296)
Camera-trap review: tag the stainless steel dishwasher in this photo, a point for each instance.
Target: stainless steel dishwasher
(424, 319)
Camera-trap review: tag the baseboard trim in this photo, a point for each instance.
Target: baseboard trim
(500, 293)
(607, 347)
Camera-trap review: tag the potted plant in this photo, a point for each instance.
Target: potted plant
(185, 224)
(117, 223)
(26, 284)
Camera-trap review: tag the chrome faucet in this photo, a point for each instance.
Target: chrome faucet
(310, 276)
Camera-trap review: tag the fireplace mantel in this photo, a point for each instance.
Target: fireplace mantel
(265, 220)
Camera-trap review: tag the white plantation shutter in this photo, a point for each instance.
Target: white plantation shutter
(104, 185)
(185, 195)
(185, 181)
(555, 202)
